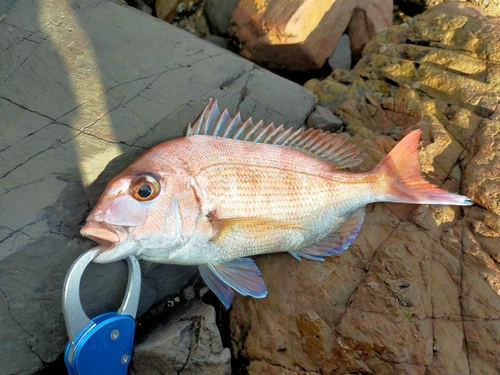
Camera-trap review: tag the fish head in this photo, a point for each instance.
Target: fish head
(134, 209)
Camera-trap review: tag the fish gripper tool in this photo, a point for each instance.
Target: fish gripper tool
(102, 345)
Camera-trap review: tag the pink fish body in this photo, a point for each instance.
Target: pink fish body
(230, 190)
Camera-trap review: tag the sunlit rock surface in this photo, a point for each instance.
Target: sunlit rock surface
(418, 291)
(490, 7)
(300, 35)
(85, 87)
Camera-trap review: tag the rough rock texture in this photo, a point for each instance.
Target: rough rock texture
(481, 177)
(418, 292)
(491, 7)
(189, 344)
(219, 14)
(85, 87)
(341, 56)
(193, 21)
(367, 19)
(168, 9)
(298, 35)
(323, 118)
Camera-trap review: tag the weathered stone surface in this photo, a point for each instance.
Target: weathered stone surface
(329, 93)
(217, 40)
(193, 20)
(418, 290)
(367, 19)
(341, 56)
(219, 14)
(481, 179)
(168, 9)
(300, 35)
(84, 89)
(189, 344)
(490, 7)
(293, 35)
(448, 55)
(323, 118)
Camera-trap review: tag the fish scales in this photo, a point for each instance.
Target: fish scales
(241, 179)
(248, 175)
(231, 189)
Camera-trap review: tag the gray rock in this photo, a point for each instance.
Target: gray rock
(144, 7)
(189, 344)
(84, 89)
(189, 293)
(323, 118)
(219, 14)
(217, 40)
(341, 56)
(203, 291)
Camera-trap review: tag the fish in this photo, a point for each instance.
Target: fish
(231, 189)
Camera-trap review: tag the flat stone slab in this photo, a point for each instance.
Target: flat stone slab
(85, 87)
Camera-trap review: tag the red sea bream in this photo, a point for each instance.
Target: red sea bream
(230, 189)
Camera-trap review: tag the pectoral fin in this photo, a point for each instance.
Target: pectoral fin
(240, 274)
(336, 242)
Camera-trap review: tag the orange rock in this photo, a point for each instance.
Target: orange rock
(481, 180)
(418, 291)
(296, 35)
(167, 9)
(368, 18)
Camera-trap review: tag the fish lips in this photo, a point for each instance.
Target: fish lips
(109, 239)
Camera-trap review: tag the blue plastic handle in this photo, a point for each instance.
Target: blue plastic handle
(103, 348)
(103, 345)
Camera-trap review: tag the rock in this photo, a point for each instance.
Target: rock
(219, 14)
(167, 10)
(296, 36)
(142, 5)
(299, 35)
(193, 20)
(329, 93)
(163, 280)
(217, 40)
(429, 60)
(341, 56)
(89, 90)
(203, 291)
(417, 292)
(367, 19)
(189, 293)
(323, 118)
(491, 8)
(189, 344)
(481, 180)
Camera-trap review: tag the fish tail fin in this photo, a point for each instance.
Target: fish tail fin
(404, 181)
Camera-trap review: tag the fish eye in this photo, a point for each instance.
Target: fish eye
(144, 188)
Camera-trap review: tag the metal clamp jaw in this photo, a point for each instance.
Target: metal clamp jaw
(102, 345)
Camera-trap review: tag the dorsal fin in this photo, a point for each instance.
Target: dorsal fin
(324, 145)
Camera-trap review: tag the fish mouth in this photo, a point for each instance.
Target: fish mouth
(105, 235)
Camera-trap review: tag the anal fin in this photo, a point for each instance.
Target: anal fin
(216, 285)
(336, 242)
(239, 274)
